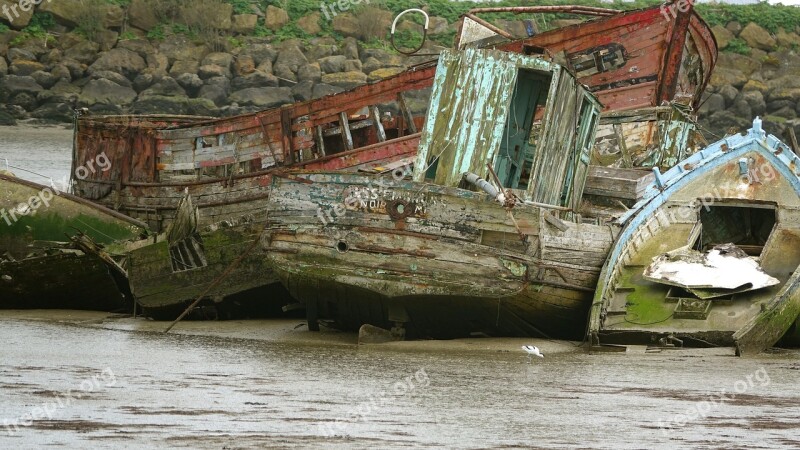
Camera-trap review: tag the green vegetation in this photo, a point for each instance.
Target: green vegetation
(738, 46)
(37, 29)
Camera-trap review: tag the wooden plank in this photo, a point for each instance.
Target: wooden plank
(375, 115)
(344, 125)
(409, 118)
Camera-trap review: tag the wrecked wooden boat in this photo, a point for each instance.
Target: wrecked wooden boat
(42, 261)
(647, 67)
(447, 254)
(227, 164)
(712, 256)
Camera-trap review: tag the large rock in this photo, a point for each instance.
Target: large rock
(787, 40)
(380, 74)
(723, 36)
(734, 77)
(216, 94)
(23, 68)
(322, 90)
(744, 63)
(244, 65)
(56, 112)
(12, 85)
(213, 70)
(345, 80)
(310, 72)
(3, 66)
(218, 59)
(303, 91)
(438, 25)
(141, 15)
(182, 66)
(84, 52)
(120, 60)
(310, 23)
(347, 25)
(69, 12)
(787, 93)
(141, 46)
(757, 37)
(105, 91)
(18, 18)
(256, 79)
(181, 48)
(276, 18)
(166, 87)
(20, 54)
(712, 104)
(190, 82)
(44, 79)
(332, 64)
(113, 76)
(263, 97)
(262, 53)
(291, 56)
(729, 93)
(244, 23)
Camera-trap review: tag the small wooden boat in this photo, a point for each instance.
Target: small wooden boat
(41, 266)
(743, 192)
(439, 259)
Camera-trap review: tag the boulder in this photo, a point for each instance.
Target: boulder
(792, 94)
(262, 53)
(744, 63)
(52, 57)
(755, 85)
(18, 18)
(303, 91)
(254, 80)
(345, 80)
(107, 39)
(213, 70)
(27, 101)
(332, 64)
(62, 92)
(69, 12)
(309, 72)
(263, 97)
(714, 103)
(244, 23)
(438, 25)
(741, 108)
(141, 46)
(734, 27)
(276, 18)
(76, 69)
(291, 56)
(120, 60)
(3, 66)
(56, 112)
(380, 74)
(726, 120)
(723, 36)
(181, 48)
(141, 15)
(266, 67)
(310, 23)
(6, 119)
(143, 81)
(20, 54)
(350, 48)
(157, 64)
(734, 77)
(321, 90)
(370, 65)
(12, 85)
(729, 93)
(84, 52)
(787, 40)
(156, 104)
(284, 74)
(106, 91)
(757, 37)
(44, 79)
(755, 99)
(352, 65)
(183, 66)
(24, 68)
(218, 59)
(112, 76)
(166, 87)
(347, 25)
(787, 112)
(190, 82)
(216, 94)
(244, 65)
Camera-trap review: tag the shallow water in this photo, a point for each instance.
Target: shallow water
(37, 154)
(93, 387)
(140, 390)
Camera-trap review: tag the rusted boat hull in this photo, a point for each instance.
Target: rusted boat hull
(457, 268)
(744, 190)
(39, 266)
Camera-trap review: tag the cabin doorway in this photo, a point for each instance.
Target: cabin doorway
(749, 228)
(515, 159)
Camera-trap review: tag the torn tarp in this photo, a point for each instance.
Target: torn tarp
(725, 269)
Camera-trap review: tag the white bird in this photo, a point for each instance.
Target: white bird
(532, 351)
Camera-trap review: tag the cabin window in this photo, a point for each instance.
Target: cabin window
(188, 254)
(599, 59)
(514, 162)
(747, 227)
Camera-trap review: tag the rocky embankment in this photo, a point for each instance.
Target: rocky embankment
(125, 68)
(127, 72)
(763, 82)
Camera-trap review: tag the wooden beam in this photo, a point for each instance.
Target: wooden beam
(375, 114)
(344, 125)
(319, 140)
(623, 146)
(409, 119)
